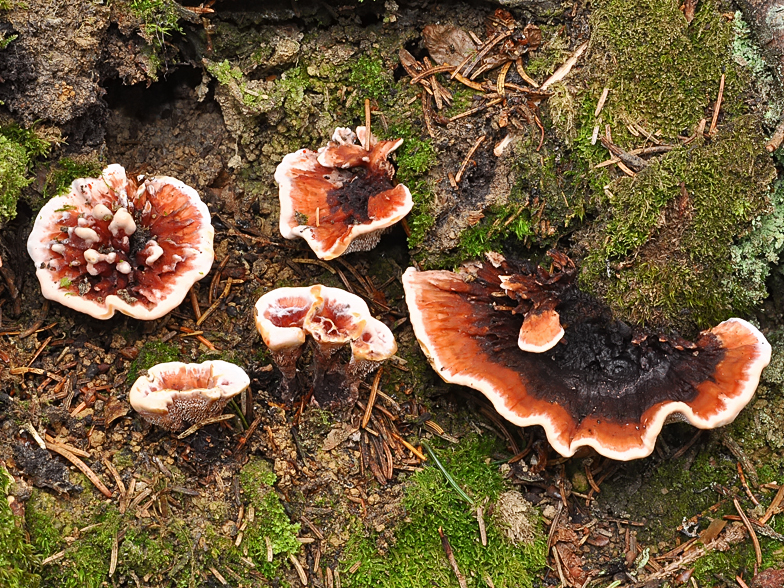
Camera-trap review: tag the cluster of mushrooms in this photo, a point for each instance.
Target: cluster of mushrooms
(543, 352)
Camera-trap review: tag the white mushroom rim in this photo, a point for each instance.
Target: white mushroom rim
(175, 393)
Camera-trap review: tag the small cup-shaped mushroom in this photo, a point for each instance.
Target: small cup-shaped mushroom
(341, 198)
(176, 394)
(337, 318)
(374, 345)
(118, 243)
(280, 317)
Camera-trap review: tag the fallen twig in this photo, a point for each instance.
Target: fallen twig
(82, 467)
(468, 157)
(450, 556)
(752, 533)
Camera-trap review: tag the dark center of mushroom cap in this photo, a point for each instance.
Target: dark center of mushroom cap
(602, 368)
(353, 198)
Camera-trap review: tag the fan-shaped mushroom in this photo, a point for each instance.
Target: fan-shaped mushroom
(115, 243)
(340, 198)
(603, 385)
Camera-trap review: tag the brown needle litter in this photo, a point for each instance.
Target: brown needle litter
(750, 529)
(774, 506)
(715, 118)
(214, 306)
(450, 556)
(468, 157)
(91, 475)
(372, 399)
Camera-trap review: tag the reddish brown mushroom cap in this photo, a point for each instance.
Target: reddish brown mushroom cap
(601, 386)
(174, 394)
(340, 198)
(113, 243)
(540, 331)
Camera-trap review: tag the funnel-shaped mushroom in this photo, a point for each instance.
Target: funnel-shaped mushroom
(374, 345)
(114, 243)
(280, 319)
(175, 394)
(333, 318)
(341, 198)
(602, 386)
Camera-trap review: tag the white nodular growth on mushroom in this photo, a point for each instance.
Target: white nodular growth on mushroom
(154, 251)
(86, 233)
(85, 260)
(122, 221)
(102, 212)
(175, 394)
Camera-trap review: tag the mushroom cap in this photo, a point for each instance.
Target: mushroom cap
(331, 316)
(540, 331)
(601, 386)
(375, 343)
(342, 192)
(337, 317)
(113, 243)
(174, 394)
(280, 316)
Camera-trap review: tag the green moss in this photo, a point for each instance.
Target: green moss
(662, 71)
(152, 353)
(664, 254)
(13, 169)
(65, 171)
(5, 41)
(17, 557)
(160, 20)
(417, 557)
(270, 519)
(414, 159)
(553, 52)
(371, 76)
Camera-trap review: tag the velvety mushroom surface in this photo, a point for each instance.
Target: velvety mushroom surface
(176, 394)
(603, 385)
(117, 243)
(341, 197)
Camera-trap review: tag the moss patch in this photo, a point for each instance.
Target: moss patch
(270, 523)
(661, 70)
(152, 353)
(663, 254)
(417, 558)
(17, 557)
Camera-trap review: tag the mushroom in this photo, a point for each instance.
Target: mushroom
(116, 243)
(375, 344)
(603, 385)
(280, 317)
(333, 318)
(341, 198)
(174, 394)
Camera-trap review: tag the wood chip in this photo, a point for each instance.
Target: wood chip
(564, 70)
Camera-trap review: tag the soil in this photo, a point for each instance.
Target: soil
(67, 375)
